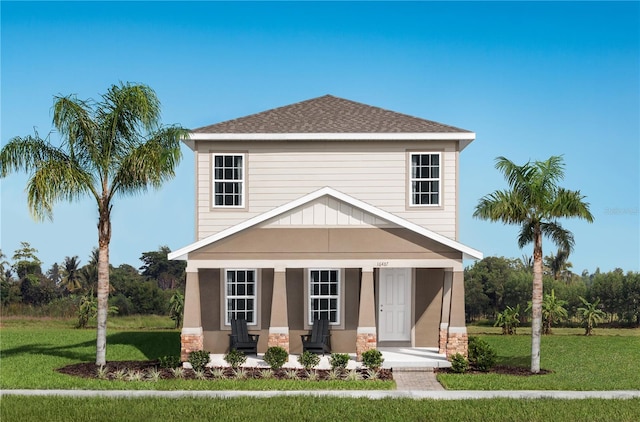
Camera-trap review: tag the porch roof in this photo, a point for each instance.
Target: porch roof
(468, 253)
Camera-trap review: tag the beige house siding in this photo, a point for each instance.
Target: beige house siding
(280, 172)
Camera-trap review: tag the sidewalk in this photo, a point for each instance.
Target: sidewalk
(378, 394)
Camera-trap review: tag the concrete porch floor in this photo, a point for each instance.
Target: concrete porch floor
(394, 357)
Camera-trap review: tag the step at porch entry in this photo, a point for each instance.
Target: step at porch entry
(394, 304)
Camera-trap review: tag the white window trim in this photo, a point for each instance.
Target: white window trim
(340, 318)
(412, 179)
(243, 181)
(256, 296)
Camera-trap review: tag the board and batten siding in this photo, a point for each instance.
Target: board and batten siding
(279, 172)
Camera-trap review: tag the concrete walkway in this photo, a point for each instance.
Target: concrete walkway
(378, 394)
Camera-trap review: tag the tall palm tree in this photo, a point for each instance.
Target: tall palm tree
(112, 147)
(535, 202)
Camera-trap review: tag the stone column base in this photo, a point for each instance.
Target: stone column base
(458, 342)
(365, 341)
(279, 340)
(190, 342)
(442, 341)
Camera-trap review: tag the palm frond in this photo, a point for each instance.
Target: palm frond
(526, 234)
(560, 236)
(151, 163)
(54, 181)
(568, 203)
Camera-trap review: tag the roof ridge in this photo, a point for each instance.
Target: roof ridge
(329, 114)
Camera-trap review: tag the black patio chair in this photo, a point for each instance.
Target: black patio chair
(317, 341)
(240, 339)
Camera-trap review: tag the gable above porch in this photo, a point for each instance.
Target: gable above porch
(327, 209)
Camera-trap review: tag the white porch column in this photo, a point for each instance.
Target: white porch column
(191, 337)
(279, 324)
(366, 337)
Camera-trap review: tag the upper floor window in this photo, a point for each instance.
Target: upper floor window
(241, 296)
(324, 296)
(425, 178)
(228, 180)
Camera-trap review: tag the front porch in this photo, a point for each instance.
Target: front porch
(394, 358)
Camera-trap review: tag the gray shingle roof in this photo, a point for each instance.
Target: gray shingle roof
(328, 114)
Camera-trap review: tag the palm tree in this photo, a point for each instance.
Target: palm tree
(71, 280)
(559, 265)
(112, 147)
(591, 315)
(535, 202)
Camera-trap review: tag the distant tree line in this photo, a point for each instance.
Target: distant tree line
(25, 289)
(496, 283)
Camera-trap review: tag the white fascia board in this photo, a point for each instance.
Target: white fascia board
(181, 254)
(419, 136)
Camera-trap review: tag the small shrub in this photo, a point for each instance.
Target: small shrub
(291, 374)
(200, 374)
(120, 375)
(170, 361)
(354, 375)
(235, 358)
(217, 373)
(312, 376)
(154, 375)
(198, 359)
(481, 355)
(459, 364)
(178, 372)
(373, 375)
(308, 360)
(372, 359)
(102, 372)
(266, 374)
(276, 357)
(133, 375)
(240, 374)
(334, 374)
(339, 360)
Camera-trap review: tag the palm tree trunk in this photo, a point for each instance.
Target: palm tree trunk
(536, 302)
(104, 237)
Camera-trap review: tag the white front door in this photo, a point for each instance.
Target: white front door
(394, 304)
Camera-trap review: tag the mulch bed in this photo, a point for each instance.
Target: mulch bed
(501, 369)
(89, 370)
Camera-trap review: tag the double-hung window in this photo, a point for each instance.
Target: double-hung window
(241, 296)
(228, 180)
(324, 295)
(425, 179)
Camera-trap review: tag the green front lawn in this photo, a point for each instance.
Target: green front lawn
(606, 361)
(31, 350)
(64, 409)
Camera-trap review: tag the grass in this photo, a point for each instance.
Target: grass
(31, 350)
(66, 409)
(606, 361)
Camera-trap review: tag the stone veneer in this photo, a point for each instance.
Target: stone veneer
(457, 343)
(280, 340)
(442, 342)
(364, 342)
(190, 343)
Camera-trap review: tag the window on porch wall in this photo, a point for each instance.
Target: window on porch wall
(240, 288)
(324, 296)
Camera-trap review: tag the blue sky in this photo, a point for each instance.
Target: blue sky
(531, 79)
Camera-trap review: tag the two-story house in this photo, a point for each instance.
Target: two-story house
(332, 209)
